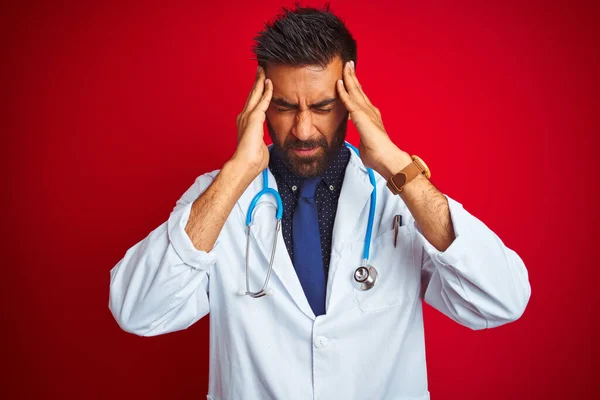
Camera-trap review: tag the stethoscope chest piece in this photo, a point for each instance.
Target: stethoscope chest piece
(365, 277)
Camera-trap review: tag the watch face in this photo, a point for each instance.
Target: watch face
(420, 161)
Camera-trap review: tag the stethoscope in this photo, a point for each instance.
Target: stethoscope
(364, 278)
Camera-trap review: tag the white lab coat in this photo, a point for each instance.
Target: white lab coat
(369, 345)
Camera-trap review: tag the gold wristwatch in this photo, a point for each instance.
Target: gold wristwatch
(397, 182)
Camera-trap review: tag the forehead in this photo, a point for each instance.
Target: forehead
(307, 83)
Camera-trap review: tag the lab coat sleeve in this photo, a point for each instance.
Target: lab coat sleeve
(477, 281)
(161, 283)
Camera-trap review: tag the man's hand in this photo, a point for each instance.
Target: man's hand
(377, 150)
(252, 151)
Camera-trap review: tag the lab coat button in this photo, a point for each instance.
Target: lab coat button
(321, 341)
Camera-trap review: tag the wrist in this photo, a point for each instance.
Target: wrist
(394, 162)
(240, 171)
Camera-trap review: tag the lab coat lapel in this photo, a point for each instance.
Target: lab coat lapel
(353, 202)
(263, 231)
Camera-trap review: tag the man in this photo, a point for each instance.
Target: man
(328, 330)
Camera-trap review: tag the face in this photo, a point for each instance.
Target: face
(306, 119)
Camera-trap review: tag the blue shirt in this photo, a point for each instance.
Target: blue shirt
(326, 198)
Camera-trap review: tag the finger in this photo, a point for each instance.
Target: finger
(348, 101)
(256, 79)
(257, 89)
(263, 104)
(351, 84)
(354, 78)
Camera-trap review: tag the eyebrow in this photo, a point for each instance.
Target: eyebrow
(283, 103)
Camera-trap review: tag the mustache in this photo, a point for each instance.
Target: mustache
(293, 143)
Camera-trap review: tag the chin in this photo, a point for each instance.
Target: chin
(308, 167)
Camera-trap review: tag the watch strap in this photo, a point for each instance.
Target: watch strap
(397, 182)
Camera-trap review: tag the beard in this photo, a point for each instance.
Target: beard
(316, 164)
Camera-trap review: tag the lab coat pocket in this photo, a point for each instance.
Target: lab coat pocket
(396, 269)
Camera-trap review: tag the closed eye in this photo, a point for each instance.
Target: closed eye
(319, 110)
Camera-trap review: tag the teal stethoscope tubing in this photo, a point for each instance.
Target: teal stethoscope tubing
(267, 190)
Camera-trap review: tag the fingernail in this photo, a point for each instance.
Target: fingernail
(352, 64)
(349, 65)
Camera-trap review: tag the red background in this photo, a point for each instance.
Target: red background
(113, 109)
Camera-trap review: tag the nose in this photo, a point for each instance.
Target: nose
(303, 127)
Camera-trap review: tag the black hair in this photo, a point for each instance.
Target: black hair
(304, 36)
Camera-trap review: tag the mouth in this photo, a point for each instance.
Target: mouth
(306, 152)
